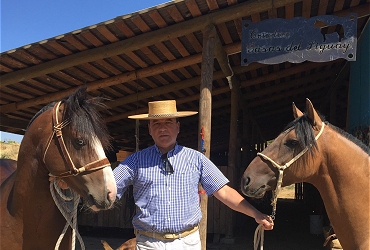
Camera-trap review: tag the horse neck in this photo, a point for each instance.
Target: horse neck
(28, 180)
(34, 199)
(30, 166)
(343, 182)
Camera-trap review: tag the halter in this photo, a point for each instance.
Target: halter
(259, 235)
(281, 169)
(57, 130)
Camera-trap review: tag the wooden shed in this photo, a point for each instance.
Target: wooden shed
(156, 54)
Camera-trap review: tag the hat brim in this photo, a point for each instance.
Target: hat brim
(164, 116)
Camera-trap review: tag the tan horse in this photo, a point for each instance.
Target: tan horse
(65, 140)
(336, 163)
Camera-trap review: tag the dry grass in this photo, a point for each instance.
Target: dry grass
(9, 150)
(287, 192)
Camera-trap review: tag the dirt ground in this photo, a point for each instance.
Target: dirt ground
(291, 232)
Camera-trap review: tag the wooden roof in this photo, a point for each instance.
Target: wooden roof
(156, 54)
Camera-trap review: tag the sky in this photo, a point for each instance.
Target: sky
(28, 21)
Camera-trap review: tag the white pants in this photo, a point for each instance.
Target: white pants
(190, 242)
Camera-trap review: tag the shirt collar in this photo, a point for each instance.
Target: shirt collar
(170, 153)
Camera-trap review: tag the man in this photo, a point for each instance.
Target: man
(165, 181)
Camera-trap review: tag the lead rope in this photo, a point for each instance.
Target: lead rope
(259, 233)
(68, 214)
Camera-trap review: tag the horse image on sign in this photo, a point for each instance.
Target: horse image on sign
(316, 39)
(335, 162)
(64, 143)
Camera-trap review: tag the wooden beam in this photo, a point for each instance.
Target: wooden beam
(222, 58)
(125, 77)
(291, 93)
(143, 40)
(129, 76)
(223, 107)
(216, 75)
(135, 43)
(6, 121)
(7, 108)
(249, 105)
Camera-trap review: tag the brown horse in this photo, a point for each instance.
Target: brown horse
(336, 163)
(65, 140)
(7, 167)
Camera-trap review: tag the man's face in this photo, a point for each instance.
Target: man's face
(164, 133)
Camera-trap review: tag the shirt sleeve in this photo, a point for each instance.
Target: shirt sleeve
(212, 179)
(124, 174)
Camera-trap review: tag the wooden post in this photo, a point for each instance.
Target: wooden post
(205, 110)
(233, 145)
(246, 138)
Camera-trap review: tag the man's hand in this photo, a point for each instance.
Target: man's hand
(266, 221)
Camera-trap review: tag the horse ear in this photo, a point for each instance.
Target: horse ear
(296, 112)
(312, 114)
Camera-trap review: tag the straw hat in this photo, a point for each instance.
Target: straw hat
(162, 110)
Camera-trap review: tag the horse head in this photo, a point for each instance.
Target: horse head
(70, 138)
(285, 160)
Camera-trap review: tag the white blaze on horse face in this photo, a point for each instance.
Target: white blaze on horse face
(96, 144)
(108, 173)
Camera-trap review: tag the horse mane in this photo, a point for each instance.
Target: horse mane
(40, 112)
(352, 138)
(80, 108)
(82, 112)
(306, 137)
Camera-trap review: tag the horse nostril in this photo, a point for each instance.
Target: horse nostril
(110, 199)
(246, 182)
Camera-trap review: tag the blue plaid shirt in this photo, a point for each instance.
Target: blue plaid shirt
(167, 203)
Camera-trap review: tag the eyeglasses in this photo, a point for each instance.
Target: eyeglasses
(166, 164)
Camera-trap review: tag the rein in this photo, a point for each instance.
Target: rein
(57, 131)
(259, 233)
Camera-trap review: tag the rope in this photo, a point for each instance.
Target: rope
(68, 214)
(259, 236)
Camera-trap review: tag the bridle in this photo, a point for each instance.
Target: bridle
(69, 214)
(57, 131)
(281, 169)
(259, 233)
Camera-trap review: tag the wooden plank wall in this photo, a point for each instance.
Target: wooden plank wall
(220, 217)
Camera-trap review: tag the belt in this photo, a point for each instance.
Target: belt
(167, 236)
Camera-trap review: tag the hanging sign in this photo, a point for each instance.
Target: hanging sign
(315, 39)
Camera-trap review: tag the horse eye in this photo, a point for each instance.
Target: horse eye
(291, 143)
(80, 142)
